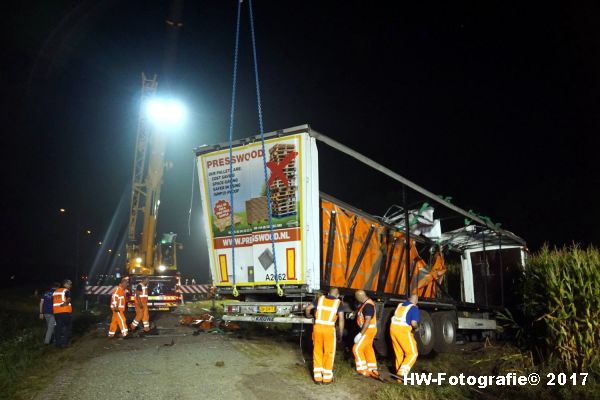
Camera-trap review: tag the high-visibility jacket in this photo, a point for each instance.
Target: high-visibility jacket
(142, 294)
(326, 311)
(58, 298)
(400, 314)
(360, 318)
(118, 299)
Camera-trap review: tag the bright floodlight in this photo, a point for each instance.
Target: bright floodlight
(162, 268)
(166, 113)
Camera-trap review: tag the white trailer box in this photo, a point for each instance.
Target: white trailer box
(293, 182)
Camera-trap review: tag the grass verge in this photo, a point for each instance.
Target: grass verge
(22, 347)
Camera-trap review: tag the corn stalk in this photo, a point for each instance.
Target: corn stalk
(562, 297)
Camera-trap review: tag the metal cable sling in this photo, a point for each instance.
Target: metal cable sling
(262, 140)
(231, 119)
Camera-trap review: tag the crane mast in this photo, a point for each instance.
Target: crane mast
(148, 169)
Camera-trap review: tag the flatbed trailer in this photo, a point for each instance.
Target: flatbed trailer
(322, 242)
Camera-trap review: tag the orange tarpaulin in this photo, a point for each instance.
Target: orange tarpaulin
(427, 286)
(362, 246)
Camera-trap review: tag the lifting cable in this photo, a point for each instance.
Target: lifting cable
(262, 139)
(231, 119)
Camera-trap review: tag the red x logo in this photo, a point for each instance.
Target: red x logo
(277, 168)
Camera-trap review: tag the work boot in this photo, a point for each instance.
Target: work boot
(375, 374)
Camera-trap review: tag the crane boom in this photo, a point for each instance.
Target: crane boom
(147, 178)
(149, 87)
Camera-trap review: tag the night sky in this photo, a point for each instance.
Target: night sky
(493, 103)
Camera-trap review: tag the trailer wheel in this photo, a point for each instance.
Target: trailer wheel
(425, 335)
(444, 328)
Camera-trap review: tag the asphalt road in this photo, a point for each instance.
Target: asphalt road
(173, 366)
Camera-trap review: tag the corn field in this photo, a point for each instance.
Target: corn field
(562, 298)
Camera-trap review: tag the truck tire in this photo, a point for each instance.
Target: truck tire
(444, 332)
(425, 335)
(383, 343)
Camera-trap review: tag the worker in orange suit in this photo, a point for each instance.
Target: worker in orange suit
(404, 322)
(327, 312)
(117, 305)
(364, 354)
(63, 310)
(141, 306)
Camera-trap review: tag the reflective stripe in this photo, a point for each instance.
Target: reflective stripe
(59, 302)
(360, 363)
(411, 340)
(118, 300)
(321, 317)
(143, 293)
(360, 320)
(328, 308)
(401, 320)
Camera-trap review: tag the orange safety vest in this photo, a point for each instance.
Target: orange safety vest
(326, 312)
(360, 319)
(118, 299)
(143, 294)
(400, 314)
(58, 298)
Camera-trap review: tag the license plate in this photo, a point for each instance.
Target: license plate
(266, 309)
(263, 319)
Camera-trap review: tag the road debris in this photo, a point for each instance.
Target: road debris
(209, 324)
(204, 322)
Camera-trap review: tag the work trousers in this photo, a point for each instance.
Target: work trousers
(364, 354)
(50, 324)
(62, 331)
(118, 320)
(141, 315)
(324, 341)
(405, 348)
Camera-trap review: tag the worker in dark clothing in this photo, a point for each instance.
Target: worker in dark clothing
(47, 313)
(61, 306)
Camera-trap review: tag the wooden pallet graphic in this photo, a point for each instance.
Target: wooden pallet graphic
(257, 210)
(276, 154)
(281, 148)
(224, 223)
